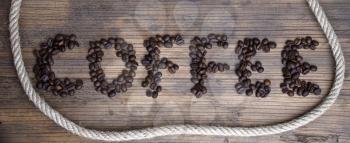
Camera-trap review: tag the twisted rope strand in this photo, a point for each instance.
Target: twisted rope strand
(180, 129)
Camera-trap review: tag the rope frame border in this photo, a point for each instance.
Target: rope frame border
(187, 129)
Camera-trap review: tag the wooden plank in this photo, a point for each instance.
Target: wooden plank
(135, 20)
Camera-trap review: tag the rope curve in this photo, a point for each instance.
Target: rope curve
(180, 129)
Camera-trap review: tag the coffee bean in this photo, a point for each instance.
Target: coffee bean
(258, 64)
(225, 45)
(290, 93)
(221, 67)
(267, 82)
(171, 70)
(272, 45)
(112, 93)
(168, 44)
(313, 68)
(78, 84)
(158, 88)
(154, 94)
(249, 92)
(63, 94)
(317, 91)
(260, 70)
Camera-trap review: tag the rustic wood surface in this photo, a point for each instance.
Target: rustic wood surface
(135, 20)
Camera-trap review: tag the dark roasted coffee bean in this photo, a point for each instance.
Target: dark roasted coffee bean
(168, 44)
(313, 68)
(305, 93)
(290, 93)
(63, 93)
(71, 92)
(78, 84)
(258, 64)
(226, 66)
(260, 70)
(271, 45)
(175, 67)
(112, 93)
(171, 70)
(253, 67)
(221, 67)
(306, 71)
(308, 39)
(208, 46)
(149, 93)
(154, 94)
(225, 45)
(158, 88)
(317, 91)
(249, 92)
(211, 36)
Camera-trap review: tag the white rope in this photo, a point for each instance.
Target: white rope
(180, 129)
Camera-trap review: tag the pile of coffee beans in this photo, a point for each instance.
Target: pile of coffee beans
(125, 79)
(294, 67)
(153, 63)
(199, 65)
(246, 50)
(45, 76)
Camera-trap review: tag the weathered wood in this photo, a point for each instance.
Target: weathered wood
(134, 20)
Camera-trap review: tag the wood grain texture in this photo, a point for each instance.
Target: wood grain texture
(135, 20)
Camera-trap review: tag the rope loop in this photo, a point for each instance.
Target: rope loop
(147, 133)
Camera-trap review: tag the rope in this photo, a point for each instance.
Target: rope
(180, 129)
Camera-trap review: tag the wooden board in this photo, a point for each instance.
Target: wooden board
(135, 20)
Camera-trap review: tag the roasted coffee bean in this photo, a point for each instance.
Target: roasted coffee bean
(249, 92)
(258, 64)
(158, 89)
(225, 45)
(168, 44)
(221, 67)
(313, 68)
(154, 94)
(78, 84)
(254, 67)
(112, 93)
(171, 70)
(290, 93)
(63, 94)
(71, 92)
(260, 70)
(317, 91)
(267, 82)
(272, 45)
(149, 93)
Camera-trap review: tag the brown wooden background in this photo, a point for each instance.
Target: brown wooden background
(135, 20)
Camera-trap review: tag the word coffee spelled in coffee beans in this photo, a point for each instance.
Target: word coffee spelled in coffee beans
(199, 65)
(246, 50)
(45, 76)
(295, 66)
(153, 62)
(125, 79)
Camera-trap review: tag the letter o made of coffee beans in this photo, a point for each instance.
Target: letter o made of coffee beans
(125, 79)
